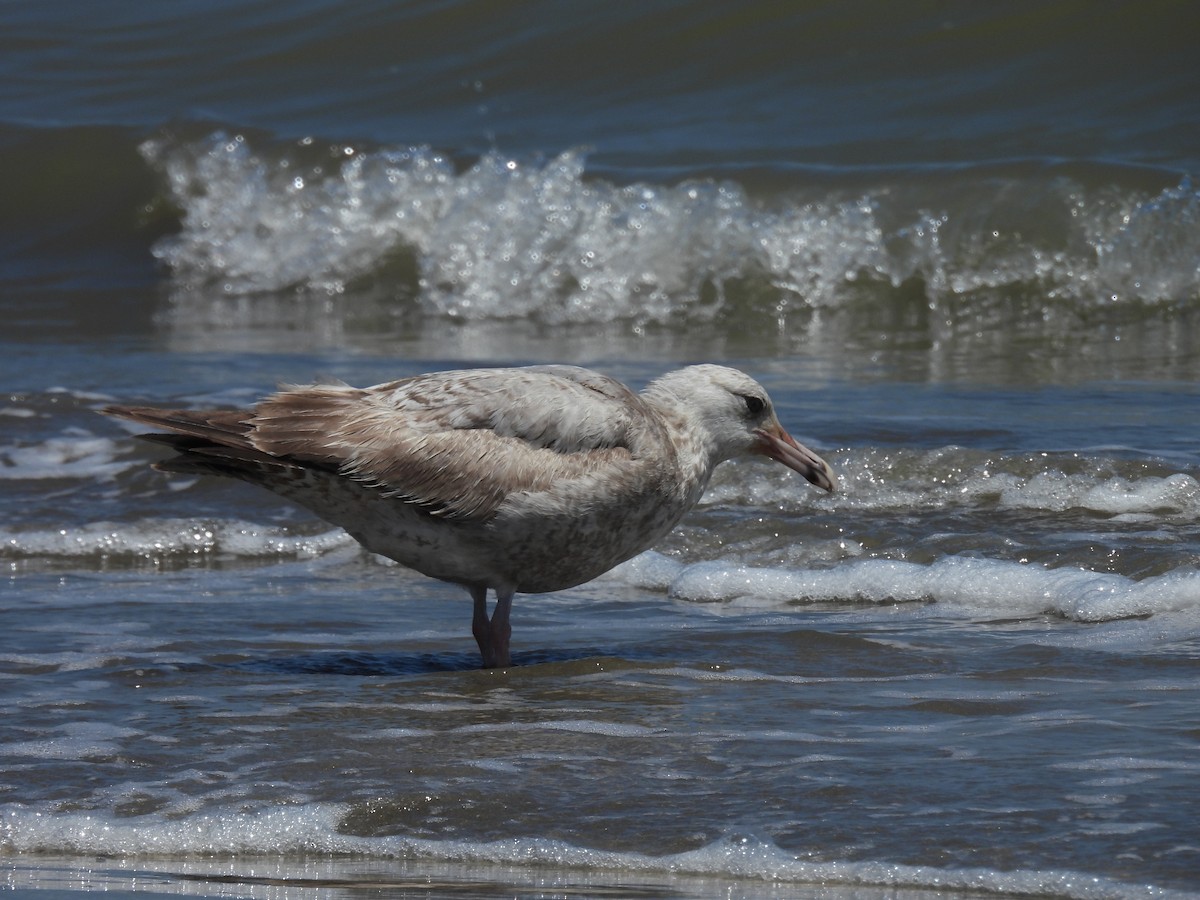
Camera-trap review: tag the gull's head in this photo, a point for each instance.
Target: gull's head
(738, 418)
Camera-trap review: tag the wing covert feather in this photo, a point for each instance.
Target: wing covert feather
(459, 443)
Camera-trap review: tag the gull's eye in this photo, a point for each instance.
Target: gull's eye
(755, 405)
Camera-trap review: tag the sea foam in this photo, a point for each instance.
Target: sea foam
(509, 238)
(158, 539)
(71, 455)
(317, 829)
(999, 587)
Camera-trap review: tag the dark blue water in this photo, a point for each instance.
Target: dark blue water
(958, 244)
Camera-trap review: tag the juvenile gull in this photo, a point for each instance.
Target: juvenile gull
(520, 480)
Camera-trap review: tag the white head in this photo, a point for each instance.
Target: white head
(738, 418)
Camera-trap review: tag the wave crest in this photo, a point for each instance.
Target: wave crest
(510, 239)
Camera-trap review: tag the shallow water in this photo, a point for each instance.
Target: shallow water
(958, 246)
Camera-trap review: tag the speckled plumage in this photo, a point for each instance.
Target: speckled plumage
(520, 480)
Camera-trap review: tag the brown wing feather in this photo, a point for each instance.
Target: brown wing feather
(208, 442)
(219, 426)
(451, 472)
(456, 444)
(468, 474)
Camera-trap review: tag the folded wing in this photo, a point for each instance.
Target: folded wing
(457, 444)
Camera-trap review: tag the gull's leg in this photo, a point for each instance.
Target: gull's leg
(481, 627)
(501, 631)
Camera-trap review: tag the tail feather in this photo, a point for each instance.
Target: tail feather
(207, 442)
(224, 427)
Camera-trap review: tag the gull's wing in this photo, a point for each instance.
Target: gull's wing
(455, 443)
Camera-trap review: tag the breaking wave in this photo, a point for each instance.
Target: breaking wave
(509, 238)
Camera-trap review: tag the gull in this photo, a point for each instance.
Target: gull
(515, 480)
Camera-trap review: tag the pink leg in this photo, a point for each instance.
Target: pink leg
(500, 629)
(492, 634)
(481, 627)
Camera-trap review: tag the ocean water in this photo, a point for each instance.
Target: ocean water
(960, 245)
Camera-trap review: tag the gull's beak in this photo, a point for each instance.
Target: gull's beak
(782, 447)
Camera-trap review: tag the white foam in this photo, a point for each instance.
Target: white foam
(1056, 491)
(1000, 587)
(650, 570)
(509, 238)
(315, 829)
(17, 412)
(1178, 493)
(871, 479)
(79, 456)
(155, 539)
